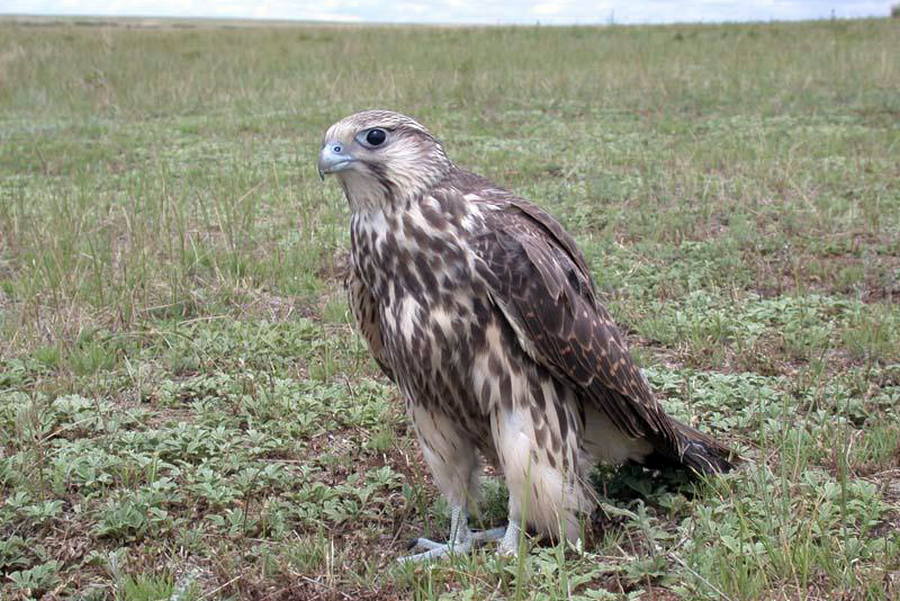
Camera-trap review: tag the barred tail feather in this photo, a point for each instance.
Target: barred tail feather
(701, 452)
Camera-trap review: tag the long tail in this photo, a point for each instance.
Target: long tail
(701, 452)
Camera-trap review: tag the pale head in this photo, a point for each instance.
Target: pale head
(381, 157)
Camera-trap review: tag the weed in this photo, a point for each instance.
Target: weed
(186, 412)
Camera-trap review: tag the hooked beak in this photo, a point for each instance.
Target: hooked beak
(332, 159)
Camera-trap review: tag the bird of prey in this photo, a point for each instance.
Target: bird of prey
(481, 308)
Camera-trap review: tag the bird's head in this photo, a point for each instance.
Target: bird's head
(381, 156)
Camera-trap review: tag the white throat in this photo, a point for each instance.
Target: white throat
(363, 193)
(366, 193)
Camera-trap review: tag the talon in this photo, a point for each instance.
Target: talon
(484, 536)
(437, 551)
(463, 540)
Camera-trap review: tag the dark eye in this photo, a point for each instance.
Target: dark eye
(376, 137)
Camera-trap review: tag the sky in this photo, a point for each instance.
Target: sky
(555, 12)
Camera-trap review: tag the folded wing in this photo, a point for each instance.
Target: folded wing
(541, 283)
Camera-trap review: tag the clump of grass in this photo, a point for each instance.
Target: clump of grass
(184, 405)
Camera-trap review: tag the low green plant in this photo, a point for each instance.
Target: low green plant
(186, 411)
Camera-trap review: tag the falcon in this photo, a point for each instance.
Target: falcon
(481, 308)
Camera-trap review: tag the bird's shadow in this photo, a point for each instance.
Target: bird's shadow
(631, 481)
(623, 489)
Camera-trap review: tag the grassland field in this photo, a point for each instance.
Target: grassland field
(186, 412)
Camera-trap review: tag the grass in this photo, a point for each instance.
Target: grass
(186, 413)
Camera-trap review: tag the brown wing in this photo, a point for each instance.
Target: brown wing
(540, 280)
(365, 311)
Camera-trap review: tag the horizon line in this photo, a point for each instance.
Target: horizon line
(569, 21)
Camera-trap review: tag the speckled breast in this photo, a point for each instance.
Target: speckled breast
(433, 311)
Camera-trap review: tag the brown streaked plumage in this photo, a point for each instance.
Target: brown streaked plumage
(480, 306)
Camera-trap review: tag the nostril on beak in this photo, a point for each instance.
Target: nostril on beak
(332, 157)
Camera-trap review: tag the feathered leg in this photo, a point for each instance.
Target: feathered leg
(454, 464)
(542, 462)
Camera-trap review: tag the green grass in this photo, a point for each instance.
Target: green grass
(186, 412)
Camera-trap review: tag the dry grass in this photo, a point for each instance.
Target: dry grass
(184, 405)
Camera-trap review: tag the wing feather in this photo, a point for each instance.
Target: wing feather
(540, 280)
